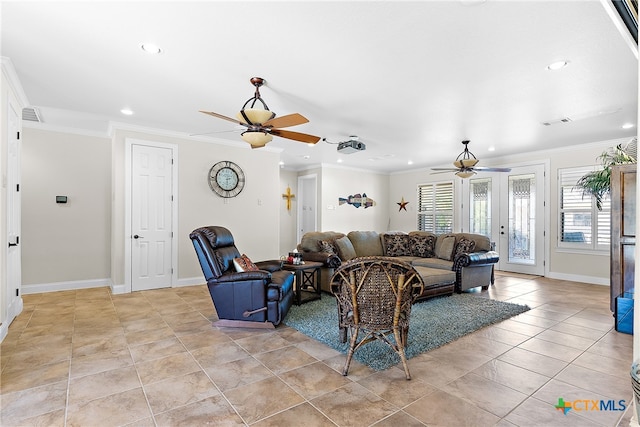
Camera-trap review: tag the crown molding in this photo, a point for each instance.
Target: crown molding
(14, 82)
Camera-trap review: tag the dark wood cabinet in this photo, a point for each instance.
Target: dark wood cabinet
(623, 230)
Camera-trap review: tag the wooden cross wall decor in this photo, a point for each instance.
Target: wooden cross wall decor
(288, 196)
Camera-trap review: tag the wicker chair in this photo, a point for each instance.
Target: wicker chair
(374, 296)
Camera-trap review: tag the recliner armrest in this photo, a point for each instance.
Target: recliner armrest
(270, 265)
(242, 275)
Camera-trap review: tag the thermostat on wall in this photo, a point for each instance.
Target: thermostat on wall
(61, 199)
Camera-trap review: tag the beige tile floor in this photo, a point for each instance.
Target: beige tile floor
(89, 358)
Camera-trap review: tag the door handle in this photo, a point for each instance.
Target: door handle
(135, 236)
(16, 243)
(12, 244)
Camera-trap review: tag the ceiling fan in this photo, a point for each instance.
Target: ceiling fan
(465, 164)
(262, 124)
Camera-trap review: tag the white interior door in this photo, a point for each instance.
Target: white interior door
(151, 217)
(522, 221)
(14, 275)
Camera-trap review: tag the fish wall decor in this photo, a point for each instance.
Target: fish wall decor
(357, 200)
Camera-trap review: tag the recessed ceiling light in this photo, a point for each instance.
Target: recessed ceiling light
(151, 48)
(126, 112)
(339, 160)
(557, 65)
(491, 148)
(627, 126)
(410, 162)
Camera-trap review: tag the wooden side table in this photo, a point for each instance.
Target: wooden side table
(307, 286)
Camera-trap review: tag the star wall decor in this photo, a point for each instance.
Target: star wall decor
(402, 204)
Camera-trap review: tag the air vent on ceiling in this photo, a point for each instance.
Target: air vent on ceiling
(31, 114)
(555, 122)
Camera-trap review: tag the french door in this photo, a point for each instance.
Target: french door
(509, 208)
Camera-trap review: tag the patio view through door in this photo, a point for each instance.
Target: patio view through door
(509, 209)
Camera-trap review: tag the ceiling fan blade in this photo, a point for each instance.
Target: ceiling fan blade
(296, 136)
(220, 116)
(286, 121)
(445, 169)
(483, 169)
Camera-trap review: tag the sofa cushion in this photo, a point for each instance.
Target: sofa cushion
(310, 241)
(464, 246)
(345, 248)
(396, 244)
(422, 245)
(366, 243)
(433, 263)
(445, 246)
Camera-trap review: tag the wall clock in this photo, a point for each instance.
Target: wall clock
(226, 179)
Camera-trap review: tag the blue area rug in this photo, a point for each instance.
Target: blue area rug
(433, 323)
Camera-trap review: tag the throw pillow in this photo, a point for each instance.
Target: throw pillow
(422, 246)
(396, 244)
(464, 246)
(326, 246)
(444, 250)
(346, 251)
(244, 264)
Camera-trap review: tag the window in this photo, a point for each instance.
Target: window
(435, 207)
(582, 225)
(480, 206)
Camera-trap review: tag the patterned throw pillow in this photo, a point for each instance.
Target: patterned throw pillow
(464, 246)
(422, 246)
(396, 245)
(244, 264)
(327, 246)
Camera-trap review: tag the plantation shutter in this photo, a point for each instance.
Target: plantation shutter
(581, 223)
(435, 207)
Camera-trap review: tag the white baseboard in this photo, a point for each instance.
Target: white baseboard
(96, 283)
(13, 310)
(191, 281)
(64, 286)
(578, 278)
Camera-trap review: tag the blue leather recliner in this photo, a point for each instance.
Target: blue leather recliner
(264, 295)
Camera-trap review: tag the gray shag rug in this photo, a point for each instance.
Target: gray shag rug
(433, 323)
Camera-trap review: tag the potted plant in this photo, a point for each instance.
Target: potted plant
(597, 183)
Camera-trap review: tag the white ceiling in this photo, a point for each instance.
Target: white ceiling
(411, 79)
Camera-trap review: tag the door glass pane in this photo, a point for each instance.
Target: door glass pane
(480, 206)
(522, 219)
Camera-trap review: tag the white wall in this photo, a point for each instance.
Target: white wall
(65, 242)
(288, 218)
(343, 182)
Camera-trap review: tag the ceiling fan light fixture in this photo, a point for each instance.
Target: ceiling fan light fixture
(465, 173)
(256, 139)
(466, 159)
(254, 116)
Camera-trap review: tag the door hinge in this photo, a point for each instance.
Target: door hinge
(172, 234)
(171, 270)
(171, 161)
(172, 197)
(18, 135)
(17, 292)
(17, 187)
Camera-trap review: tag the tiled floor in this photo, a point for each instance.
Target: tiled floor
(89, 358)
